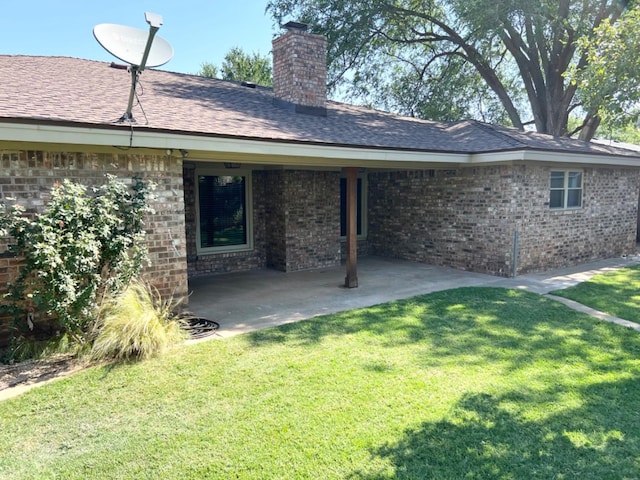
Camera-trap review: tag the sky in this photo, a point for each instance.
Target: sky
(198, 30)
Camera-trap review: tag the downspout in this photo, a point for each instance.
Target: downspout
(514, 271)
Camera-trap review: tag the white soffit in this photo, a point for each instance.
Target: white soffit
(138, 138)
(554, 157)
(296, 152)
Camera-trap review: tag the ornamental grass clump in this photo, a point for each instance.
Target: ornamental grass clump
(136, 324)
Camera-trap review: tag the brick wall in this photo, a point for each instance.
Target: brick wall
(363, 248)
(604, 227)
(311, 202)
(459, 218)
(466, 218)
(28, 175)
(276, 219)
(300, 68)
(296, 223)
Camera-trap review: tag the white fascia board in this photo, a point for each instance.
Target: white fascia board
(554, 157)
(283, 152)
(121, 137)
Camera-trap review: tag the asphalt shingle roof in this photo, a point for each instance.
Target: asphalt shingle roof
(91, 93)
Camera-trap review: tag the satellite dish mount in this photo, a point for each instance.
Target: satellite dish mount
(125, 43)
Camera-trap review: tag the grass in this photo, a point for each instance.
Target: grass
(616, 293)
(137, 323)
(475, 383)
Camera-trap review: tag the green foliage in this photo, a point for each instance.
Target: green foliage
(609, 83)
(496, 60)
(80, 247)
(241, 67)
(135, 324)
(628, 133)
(29, 348)
(208, 70)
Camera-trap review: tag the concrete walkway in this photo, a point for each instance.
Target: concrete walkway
(595, 313)
(244, 302)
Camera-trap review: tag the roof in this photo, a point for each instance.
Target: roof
(79, 92)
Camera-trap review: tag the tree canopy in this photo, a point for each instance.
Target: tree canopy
(241, 67)
(610, 81)
(504, 61)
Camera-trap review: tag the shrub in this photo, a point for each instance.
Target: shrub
(28, 348)
(81, 247)
(136, 324)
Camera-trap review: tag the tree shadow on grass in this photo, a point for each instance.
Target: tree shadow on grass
(474, 326)
(485, 438)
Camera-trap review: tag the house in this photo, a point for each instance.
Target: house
(252, 178)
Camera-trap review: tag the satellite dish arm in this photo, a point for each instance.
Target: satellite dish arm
(155, 22)
(152, 33)
(128, 116)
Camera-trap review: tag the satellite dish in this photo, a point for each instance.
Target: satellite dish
(135, 47)
(128, 44)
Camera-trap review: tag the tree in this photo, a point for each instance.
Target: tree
(609, 83)
(510, 56)
(241, 67)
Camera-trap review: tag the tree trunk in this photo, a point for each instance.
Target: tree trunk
(590, 125)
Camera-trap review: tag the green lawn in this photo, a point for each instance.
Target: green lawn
(474, 383)
(616, 293)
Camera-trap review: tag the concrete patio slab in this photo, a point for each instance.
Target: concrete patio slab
(244, 302)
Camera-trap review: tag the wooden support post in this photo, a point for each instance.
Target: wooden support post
(351, 280)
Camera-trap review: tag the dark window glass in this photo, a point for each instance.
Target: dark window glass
(557, 199)
(574, 198)
(557, 179)
(222, 201)
(575, 180)
(566, 189)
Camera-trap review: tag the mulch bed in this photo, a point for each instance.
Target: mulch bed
(31, 372)
(35, 371)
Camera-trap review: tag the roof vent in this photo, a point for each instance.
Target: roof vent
(302, 27)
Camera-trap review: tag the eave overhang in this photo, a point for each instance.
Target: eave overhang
(210, 147)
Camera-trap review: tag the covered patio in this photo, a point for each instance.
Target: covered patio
(243, 302)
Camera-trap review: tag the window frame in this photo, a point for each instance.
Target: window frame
(566, 189)
(248, 198)
(363, 206)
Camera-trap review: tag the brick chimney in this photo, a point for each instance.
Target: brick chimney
(300, 70)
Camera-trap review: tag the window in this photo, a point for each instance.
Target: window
(566, 189)
(223, 212)
(361, 207)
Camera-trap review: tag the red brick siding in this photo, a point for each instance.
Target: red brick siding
(296, 223)
(466, 218)
(604, 227)
(28, 176)
(300, 68)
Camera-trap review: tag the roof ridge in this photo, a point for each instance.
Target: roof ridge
(494, 132)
